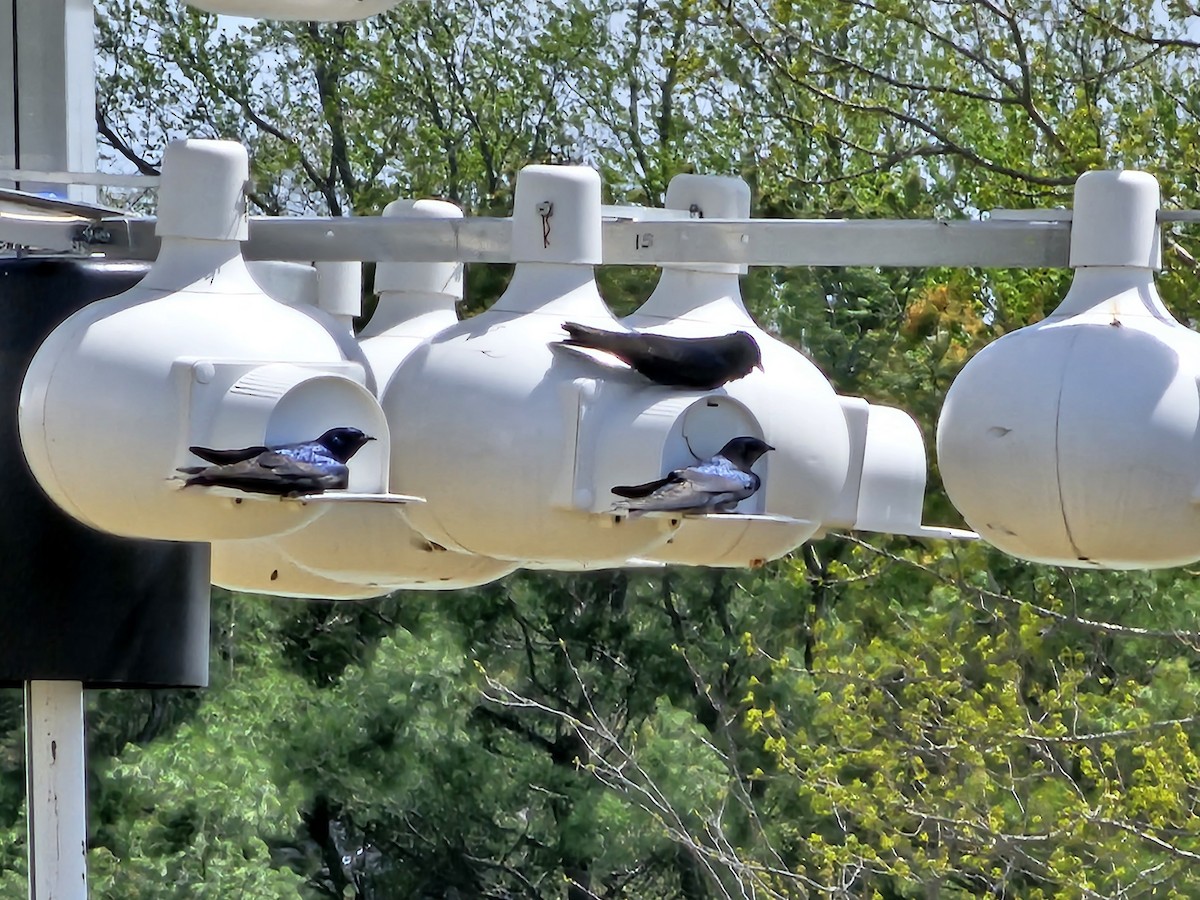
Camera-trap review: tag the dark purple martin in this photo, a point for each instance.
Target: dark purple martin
(715, 485)
(699, 363)
(286, 470)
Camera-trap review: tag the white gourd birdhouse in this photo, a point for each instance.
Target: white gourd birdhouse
(494, 425)
(1074, 441)
(374, 543)
(359, 550)
(195, 354)
(260, 566)
(789, 404)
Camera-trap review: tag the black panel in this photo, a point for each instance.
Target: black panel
(78, 604)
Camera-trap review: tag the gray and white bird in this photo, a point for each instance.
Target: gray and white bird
(714, 485)
(285, 470)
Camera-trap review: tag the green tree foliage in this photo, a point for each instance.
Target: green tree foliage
(871, 717)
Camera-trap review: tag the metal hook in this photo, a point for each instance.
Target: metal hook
(545, 209)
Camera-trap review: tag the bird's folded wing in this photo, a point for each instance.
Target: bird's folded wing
(677, 495)
(225, 457)
(716, 482)
(266, 467)
(281, 466)
(679, 351)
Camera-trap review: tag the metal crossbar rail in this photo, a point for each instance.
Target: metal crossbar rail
(754, 242)
(106, 179)
(1009, 239)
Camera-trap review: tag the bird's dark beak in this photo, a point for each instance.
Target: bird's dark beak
(759, 366)
(769, 447)
(368, 437)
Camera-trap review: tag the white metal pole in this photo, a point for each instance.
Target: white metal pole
(48, 92)
(47, 122)
(56, 790)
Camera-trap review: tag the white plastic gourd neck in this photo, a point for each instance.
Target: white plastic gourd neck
(1116, 246)
(696, 296)
(1113, 291)
(554, 289)
(403, 308)
(196, 264)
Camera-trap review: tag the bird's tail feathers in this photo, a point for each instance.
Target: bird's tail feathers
(594, 338)
(637, 491)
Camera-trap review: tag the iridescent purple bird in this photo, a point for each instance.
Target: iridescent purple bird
(715, 485)
(286, 470)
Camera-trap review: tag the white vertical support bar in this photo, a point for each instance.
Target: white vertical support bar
(48, 91)
(56, 796)
(8, 89)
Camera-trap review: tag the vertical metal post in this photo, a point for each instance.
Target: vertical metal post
(48, 91)
(8, 87)
(56, 791)
(47, 122)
